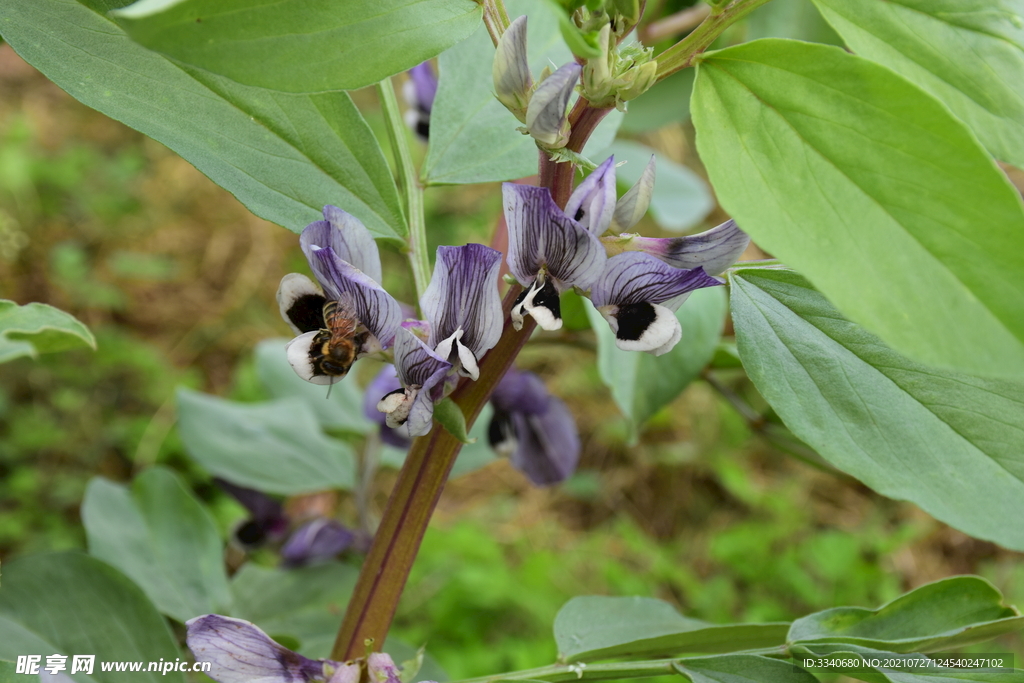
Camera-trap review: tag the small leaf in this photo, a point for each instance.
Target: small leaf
(642, 384)
(450, 416)
(299, 46)
(943, 615)
(72, 604)
(947, 441)
(869, 187)
(741, 669)
(969, 54)
(38, 328)
(162, 538)
(597, 627)
(276, 447)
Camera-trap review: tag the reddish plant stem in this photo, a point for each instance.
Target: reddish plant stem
(421, 480)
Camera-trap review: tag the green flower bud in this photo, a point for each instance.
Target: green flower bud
(643, 77)
(546, 118)
(511, 70)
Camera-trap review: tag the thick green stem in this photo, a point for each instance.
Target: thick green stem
(684, 53)
(408, 184)
(430, 459)
(564, 673)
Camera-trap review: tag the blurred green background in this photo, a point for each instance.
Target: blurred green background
(177, 281)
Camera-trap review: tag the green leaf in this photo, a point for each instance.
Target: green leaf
(913, 670)
(449, 415)
(276, 447)
(937, 616)
(342, 410)
(283, 156)
(681, 199)
(597, 627)
(38, 328)
(967, 53)
(301, 46)
(946, 441)
(73, 604)
(473, 138)
(162, 538)
(797, 19)
(869, 187)
(741, 669)
(304, 603)
(642, 384)
(667, 102)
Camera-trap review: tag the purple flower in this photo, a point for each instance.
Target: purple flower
(549, 252)
(513, 82)
(384, 383)
(316, 540)
(713, 250)
(267, 522)
(419, 92)
(632, 206)
(638, 295)
(239, 652)
(352, 316)
(410, 409)
(533, 428)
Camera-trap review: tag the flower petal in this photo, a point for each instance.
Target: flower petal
(301, 303)
(410, 411)
(511, 69)
(425, 85)
(347, 236)
(540, 301)
(267, 521)
(521, 392)
(713, 250)
(546, 114)
(593, 202)
(241, 653)
(375, 308)
(317, 539)
(633, 278)
(632, 206)
(463, 295)
(302, 352)
(384, 383)
(643, 327)
(542, 236)
(547, 445)
(381, 668)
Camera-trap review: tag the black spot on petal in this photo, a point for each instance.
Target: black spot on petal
(579, 213)
(549, 299)
(634, 319)
(307, 312)
(499, 431)
(423, 127)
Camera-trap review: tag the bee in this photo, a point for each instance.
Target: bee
(335, 346)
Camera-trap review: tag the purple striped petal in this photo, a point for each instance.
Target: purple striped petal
(713, 250)
(546, 114)
(316, 540)
(592, 204)
(347, 236)
(541, 236)
(384, 383)
(375, 308)
(511, 69)
(462, 304)
(239, 652)
(633, 278)
(520, 392)
(410, 411)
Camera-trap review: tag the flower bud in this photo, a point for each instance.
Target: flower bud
(632, 206)
(511, 70)
(643, 77)
(546, 117)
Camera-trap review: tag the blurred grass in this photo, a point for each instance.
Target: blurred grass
(177, 280)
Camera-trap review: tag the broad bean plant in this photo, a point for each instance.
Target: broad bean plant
(886, 330)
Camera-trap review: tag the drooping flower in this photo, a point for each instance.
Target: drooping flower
(547, 114)
(419, 92)
(316, 540)
(513, 81)
(550, 251)
(409, 410)
(351, 316)
(267, 521)
(384, 383)
(533, 428)
(638, 295)
(239, 652)
(713, 250)
(462, 305)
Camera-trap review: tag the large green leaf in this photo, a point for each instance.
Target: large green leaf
(283, 156)
(342, 410)
(473, 138)
(301, 46)
(38, 328)
(642, 384)
(878, 666)
(73, 604)
(868, 186)
(967, 53)
(598, 627)
(162, 538)
(797, 19)
(275, 446)
(741, 669)
(947, 441)
(938, 616)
